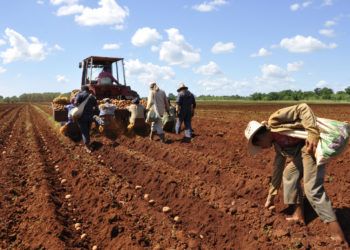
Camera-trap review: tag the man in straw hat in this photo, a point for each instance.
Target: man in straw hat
(302, 165)
(157, 102)
(185, 106)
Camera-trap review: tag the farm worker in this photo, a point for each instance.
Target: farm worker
(303, 163)
(185, 106)
(106, 118)
(157, 102)
(137, 115)
(68, 107)
(85, 121)
(106, 77)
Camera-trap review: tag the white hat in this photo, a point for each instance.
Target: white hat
(152, 84)
(181, 87)
(250, 131)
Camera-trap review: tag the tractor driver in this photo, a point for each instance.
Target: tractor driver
(106, 77)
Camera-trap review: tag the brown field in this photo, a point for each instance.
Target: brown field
(212, 184)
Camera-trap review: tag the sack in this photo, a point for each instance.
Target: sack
(152, 116)
(77, 112)
(168, 122)
(334, 137)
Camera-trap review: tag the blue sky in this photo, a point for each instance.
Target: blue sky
(218, 47)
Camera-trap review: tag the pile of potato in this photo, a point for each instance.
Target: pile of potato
(59, 102)
(74, 93)
(123, 104)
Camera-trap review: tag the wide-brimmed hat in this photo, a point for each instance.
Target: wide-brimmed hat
(181, 87)
(152, 85)
(250, 131)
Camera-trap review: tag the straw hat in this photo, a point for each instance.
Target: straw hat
(250, 131)
(152, 84)
(181, 87)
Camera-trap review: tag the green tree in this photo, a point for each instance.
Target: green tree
(347, 90)
(171, 97)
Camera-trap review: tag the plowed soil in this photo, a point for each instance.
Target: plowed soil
(212, 186)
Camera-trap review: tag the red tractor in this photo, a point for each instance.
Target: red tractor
(92, 67)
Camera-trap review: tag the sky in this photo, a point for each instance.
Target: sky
(215, 47)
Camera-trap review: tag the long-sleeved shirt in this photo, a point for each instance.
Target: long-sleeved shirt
(297, 117)
(137, 111)
(107, 109)
(158, 101)
(88, 112)
(186, 102)
(106, 74)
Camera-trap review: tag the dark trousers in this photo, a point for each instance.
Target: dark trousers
(85, 126)
(185, 118)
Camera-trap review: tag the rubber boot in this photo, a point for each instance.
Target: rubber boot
(162, 138)
(151, 135)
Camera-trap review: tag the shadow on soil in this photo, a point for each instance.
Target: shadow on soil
(343, 216)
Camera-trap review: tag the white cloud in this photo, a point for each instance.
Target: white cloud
(145, 36)
(223, 85)
(57, 47)
(210, 69)
(68, 2)
(176, 51)
(111, 46)
(321, 84)
(306, 4)
(261, 53)
(273, 78)
(61, 78)
(2, 42)
(108, 13)
(294, 7)
(146, 72)
(302, 44)
(330, 23)
(209, 6)
(40, 2)
(22, 48)
(154, 48)
(221, 47)
(2, 70)
(297, 6)
(327, 2)
(271, 71)
(70, 10)
(327, 32)
(295, 66)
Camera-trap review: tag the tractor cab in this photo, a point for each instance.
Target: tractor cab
(106, 85)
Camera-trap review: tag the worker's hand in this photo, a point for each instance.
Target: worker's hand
(311, 143)
(270, 201)
(192, 113)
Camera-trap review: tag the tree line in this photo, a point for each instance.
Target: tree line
(288, 95)
(32, 97)
(284, 95)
